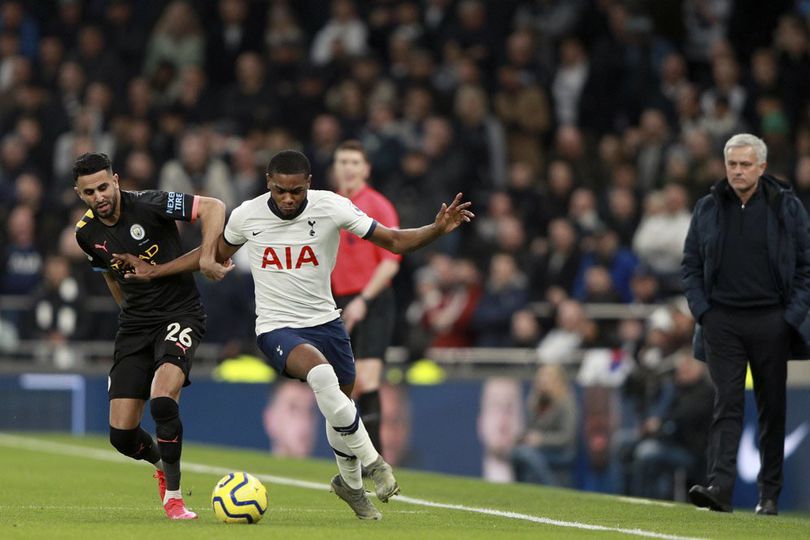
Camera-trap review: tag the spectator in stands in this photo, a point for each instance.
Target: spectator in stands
(583, 211)
(568, 83)
(802, 177)
(343, 36)
(21, 265)
(233, 31)
(96, 58)
(87, 124)
(505, 292)
(545, 452)
(14, 20)
(599, 288)
(527, 201)
(196, 171)
(621, 214)
(678, 441)
(176, 39)
(619, 261)
(125, 36)
(525, 112)
(324, 139)
(652, 150)
(790, 38)
(525, 329)
(193, 96)
(249, 103)
(572, 331)
(447, 316)
(58, 310)
(659, 239)
(558, 261)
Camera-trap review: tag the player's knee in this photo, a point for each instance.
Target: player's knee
(322, 377)
(124, 440)
(164, 409)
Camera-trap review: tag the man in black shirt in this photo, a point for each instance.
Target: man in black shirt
(161, 322)
(746, 275)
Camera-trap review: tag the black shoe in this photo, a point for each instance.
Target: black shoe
(709, 497)
(766, 507)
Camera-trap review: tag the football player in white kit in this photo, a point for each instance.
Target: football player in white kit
(291, 234)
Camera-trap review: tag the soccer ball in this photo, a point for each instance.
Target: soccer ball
(239, 498)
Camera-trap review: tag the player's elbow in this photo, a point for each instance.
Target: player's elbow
(396, 246)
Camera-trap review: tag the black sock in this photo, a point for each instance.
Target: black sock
(135, 443)
(369, 405)
(169, 437)
(150, 451)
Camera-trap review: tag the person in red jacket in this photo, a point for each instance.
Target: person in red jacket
(361, 281)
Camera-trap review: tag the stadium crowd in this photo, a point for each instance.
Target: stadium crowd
(583, 130)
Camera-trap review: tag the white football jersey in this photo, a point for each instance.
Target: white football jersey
(292, 260)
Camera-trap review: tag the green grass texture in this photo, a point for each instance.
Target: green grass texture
(58, 486)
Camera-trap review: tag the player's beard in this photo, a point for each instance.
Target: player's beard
(108, 205)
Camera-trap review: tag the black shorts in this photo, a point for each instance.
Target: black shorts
(139, 353)
(371, 336)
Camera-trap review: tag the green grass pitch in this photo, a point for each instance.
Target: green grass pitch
(59, 487)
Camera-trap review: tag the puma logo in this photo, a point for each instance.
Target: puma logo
(102, 246)
(183, 348)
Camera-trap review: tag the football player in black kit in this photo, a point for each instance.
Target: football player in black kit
(161, 321)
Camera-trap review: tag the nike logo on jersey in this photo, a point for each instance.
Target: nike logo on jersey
(176, 439)
(748, 456)
(256, 233)
(102, 246)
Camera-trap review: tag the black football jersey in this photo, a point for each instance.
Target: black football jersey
(146, 229)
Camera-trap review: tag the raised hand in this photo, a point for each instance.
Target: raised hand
(450, 217)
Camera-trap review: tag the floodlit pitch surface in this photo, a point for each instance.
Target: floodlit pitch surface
(64, 487)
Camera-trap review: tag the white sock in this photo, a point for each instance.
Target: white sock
(348, 465)
(172, 495)
(340, 413)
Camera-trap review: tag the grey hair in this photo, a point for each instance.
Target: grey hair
(746, 139)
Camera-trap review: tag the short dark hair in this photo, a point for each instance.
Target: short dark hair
(353, 145)
(90, 163)
(289, 162)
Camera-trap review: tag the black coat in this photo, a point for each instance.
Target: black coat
(788, 234)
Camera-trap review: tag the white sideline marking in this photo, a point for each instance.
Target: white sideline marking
(29, 443)
(636, 500)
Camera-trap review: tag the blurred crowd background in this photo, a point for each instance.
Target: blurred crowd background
(583, 131)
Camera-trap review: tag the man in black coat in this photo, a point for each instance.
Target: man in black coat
(746, 275)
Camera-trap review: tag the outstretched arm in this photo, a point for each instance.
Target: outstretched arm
(405, 240)
(139, 269)
(212, 213)
(204, 258)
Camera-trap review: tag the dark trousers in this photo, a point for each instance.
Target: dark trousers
(735, 337)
